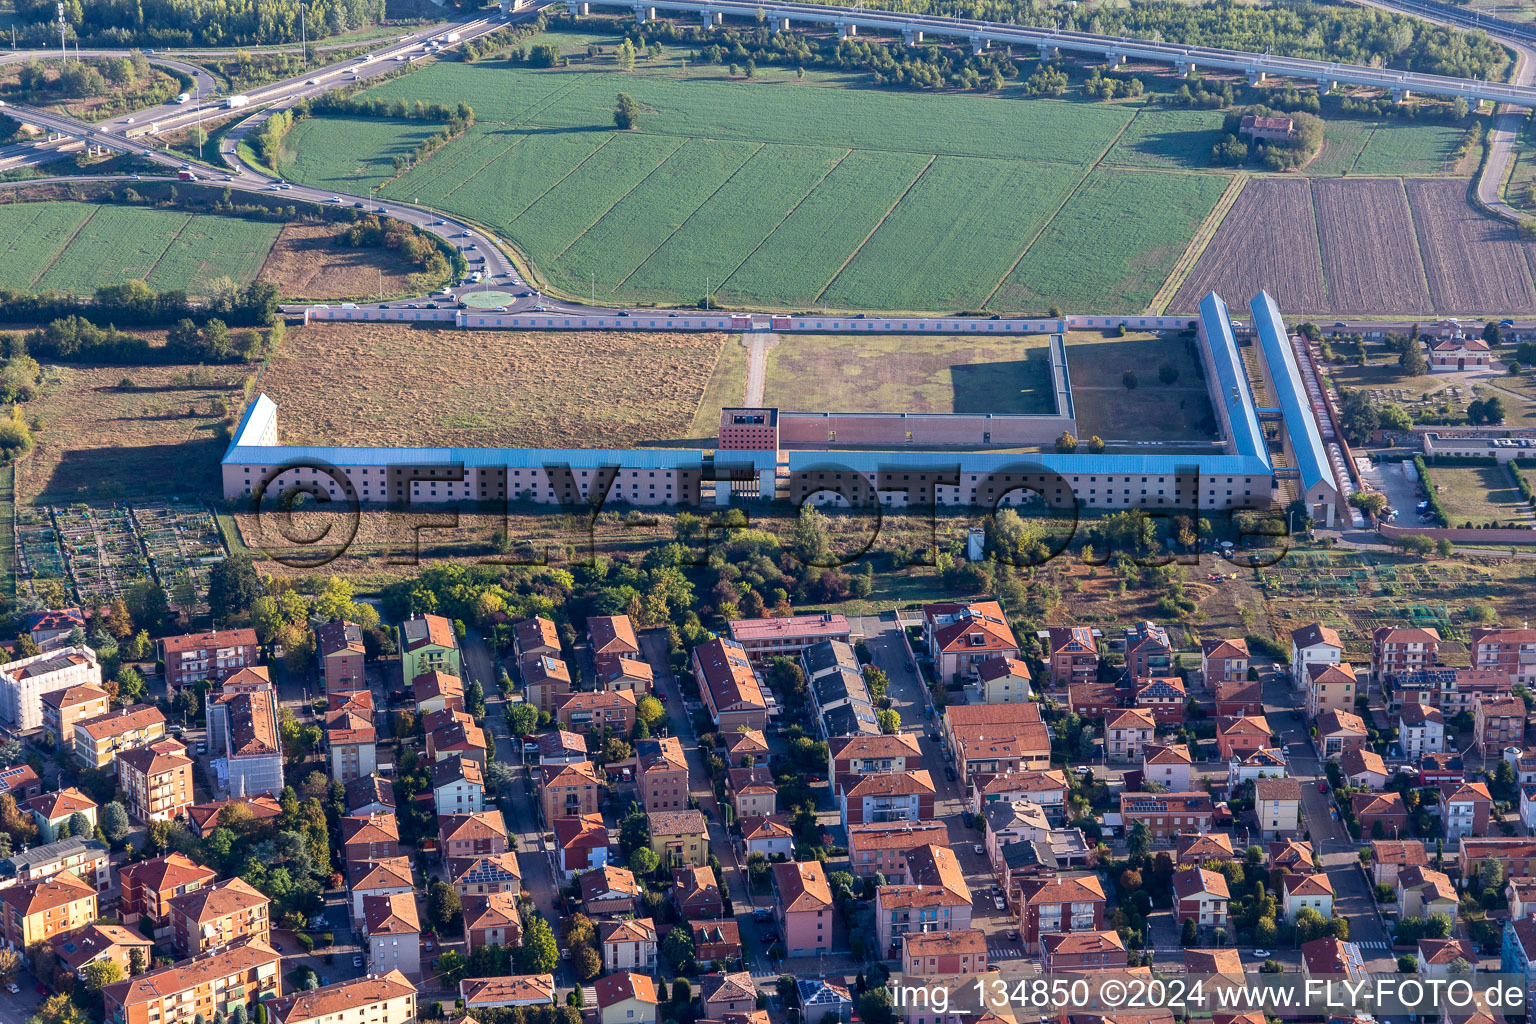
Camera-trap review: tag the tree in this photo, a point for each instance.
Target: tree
(1190, 933)
(10, 965)
(1407, 964)
(1412, 360)
(57, 1009)
(1369, 502)
(1066, 443)
(1167, 373)
(626, 114)
(538, 954)
(679, 950)
(890, 721)
(80, 825)
(625, 58)
(644, 861)
(1138, 840)
(522, 719)
(1128, 378)
(102, 973)
(586, 963)
(1493, 335)
(443, 904)
(137, 961)
(650, 711)
(232, 586)
(451, 966)
(577, 930)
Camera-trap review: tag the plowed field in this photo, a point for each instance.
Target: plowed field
(1268, 240)
(1475, 264)
(1370, 256)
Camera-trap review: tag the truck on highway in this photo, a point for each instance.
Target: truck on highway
(232, 102)
(185, 175)
(184, 98)
(449, 37)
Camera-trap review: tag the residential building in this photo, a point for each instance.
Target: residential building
(1168, 765)
(1465, 809)
(996, 738)
(943, 954)
(1072, 654)
(612, 635)
(50, 810)
(1452, 690)
(50, 629)
(752, 791)
(959, 637)
(437, 691)
(157, 779)
(1261, 764)
(98, 943)
(617, 674)
(1381, 815)
(1003, 681)
(1420, 730)
(1424, 892)
(626, 998)
(716, 944)
(1314, 644)
(1290, 855)
(1127, 732)
(745, 746)
(546, 680)
(472, 834)
(1511, 652)
(1094, 699)
(491, 919)
(350, 735)
(389, 877)
(1332, 958)
(63, 708)
(628, 945)
(1082, 952)
(861, 755)
(1147, 651)
(935, 899)
(881, 849)
(87, 859)
(99, 740)
(1164, 696)
(214, 656)
(609, 891)
(37, 911)
(1436, 956)
(1167, 814)
(428, 643)
(507, 990)
(680, 837)
(885, 797)
(1053, 905)
(1194, 848)
(486, 872)
(787, 635)
(455, 735)
(560, 747)
(1311, 889)
(340, 651)
(217, 915)
(1201, 896)
(376, 998)
(371, 794)
(1390, 857)
(821, 998)
(581, 843)
(1518, 951)
(1240, 737)
(1330, 687)
(730, 688)
(662, 774)
(1223, 661)
(1236, 697)
(24, 682)
(393, 930)
(458, 787)
(1277, 805)
(245, 973)
(1046, 789)
(597, 711)
(202, 819)
(1397, 649)
(802, 903)
(242, 726)
(727, 993)
(20, 781)
(1498, 724)
(148, 886)
(537, 637)
(1364, 768)
(1338, 731)
(368, 840)
(840, 701)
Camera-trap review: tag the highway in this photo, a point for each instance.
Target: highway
(984, 33)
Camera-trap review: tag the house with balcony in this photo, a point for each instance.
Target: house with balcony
(885, 797)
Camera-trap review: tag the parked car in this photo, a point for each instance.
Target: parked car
(357, 961)
(12, 987)
(1261, 954)
(999, 903)
(1322, 787)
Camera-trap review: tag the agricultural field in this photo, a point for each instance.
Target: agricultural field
(77, 247)
(1114, 242)
(396, 384)
(1268, 240)
(1475, 263)
(362, 162)
(1168, 138)
(116, 432)
(1478, 495)
(1342, 143)
(899, 373)
(1381, 277)
(1412, 150)
(1152, 411)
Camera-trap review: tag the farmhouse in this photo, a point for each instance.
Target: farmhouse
(1266, 128)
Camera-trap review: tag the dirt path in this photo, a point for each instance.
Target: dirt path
(757, 366)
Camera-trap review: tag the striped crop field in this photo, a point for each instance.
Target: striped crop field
(78, 247)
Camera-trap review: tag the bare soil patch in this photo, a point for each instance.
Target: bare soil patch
(393, 384)
(1370, 254)
(1475, 263)
(307, 263)
(1268, 240)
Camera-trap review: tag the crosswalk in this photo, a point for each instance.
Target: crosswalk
(1006, 953)
(1374, 944)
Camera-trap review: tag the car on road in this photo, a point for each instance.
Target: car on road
(202, 748)
(999, 903)
(1013, 934)
(1261, 954)
(357, 961)
(1340, 323)
(44, 990)
(949, 772)
(439, 222)
(12, 987)
(978, 848)
(1322, 787)
(529, 747)
(146, 152)
(661, 695)
(335, 199)
(312, 82)
(357, 206)
(1506, 323)
(285, 185)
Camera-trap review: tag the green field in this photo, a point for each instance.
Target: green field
(901, 373)
(77, 247)
(364, 162)
(1479, 495)
(1168, 137)
(1413, 150)
(1114, 242)
(1342, 143)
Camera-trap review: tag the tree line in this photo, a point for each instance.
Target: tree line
(123, 23)
(133, 302)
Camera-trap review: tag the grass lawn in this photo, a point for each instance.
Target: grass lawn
(349, 154)
(160, 436)
(1478, 494)
(1167, 137)
(398, 385)
(726, 389)
(1342, 143)
(1152, 411)
(886, 373)
(1410, 149)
